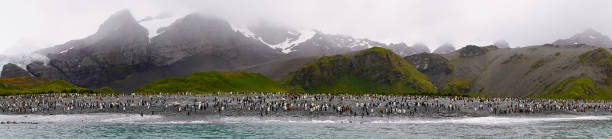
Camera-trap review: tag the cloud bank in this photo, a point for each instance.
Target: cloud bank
(481, 22)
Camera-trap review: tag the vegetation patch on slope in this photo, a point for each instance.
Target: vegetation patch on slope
(581, 87)
(374, 70)
(212, 82)
(457, 86)
(32, 85)
(599, 57)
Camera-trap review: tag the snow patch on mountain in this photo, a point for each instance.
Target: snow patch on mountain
(245, 31)
(165, 19)
(286, 45)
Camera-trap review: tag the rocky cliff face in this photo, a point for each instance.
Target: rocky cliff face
(39, 69)
(436, 67)
(12, 70)
(587, 37)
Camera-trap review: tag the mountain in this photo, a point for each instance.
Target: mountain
(198, 43)
(306, 43)
(212, 82)
(444, 49)
(198, 36)
(374, 70)
(121, 49)
(587, 37)
(121, 54)
(117, 49)
(537, 71)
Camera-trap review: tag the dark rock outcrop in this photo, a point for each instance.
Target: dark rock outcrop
(436, 67)
(38, 69)
(12, 70)
(472, 50)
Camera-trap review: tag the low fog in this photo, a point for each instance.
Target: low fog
(31, 24)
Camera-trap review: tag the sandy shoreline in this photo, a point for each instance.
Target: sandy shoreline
(189, 106)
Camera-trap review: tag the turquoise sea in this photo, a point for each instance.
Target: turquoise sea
(135, 126)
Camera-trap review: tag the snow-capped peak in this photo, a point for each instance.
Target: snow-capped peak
(289, 43)
(284, 46)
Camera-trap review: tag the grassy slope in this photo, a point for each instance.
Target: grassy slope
(209, 82)
(31, 85)
(584, 87)
(578, 88)
(374, 70)
(457, 86)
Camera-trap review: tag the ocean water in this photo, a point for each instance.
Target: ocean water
(135, 126)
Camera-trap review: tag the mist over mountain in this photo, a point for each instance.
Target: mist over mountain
(445, 48)
(587, 37)
(501, 44)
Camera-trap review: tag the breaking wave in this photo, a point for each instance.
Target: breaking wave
(85, 118)
(157, 119)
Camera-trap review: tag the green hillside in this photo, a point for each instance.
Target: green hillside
(31, 85)
(209, 82)
(375, 70)
(584, 87)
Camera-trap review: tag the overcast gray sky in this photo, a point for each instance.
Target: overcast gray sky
(32, 24)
